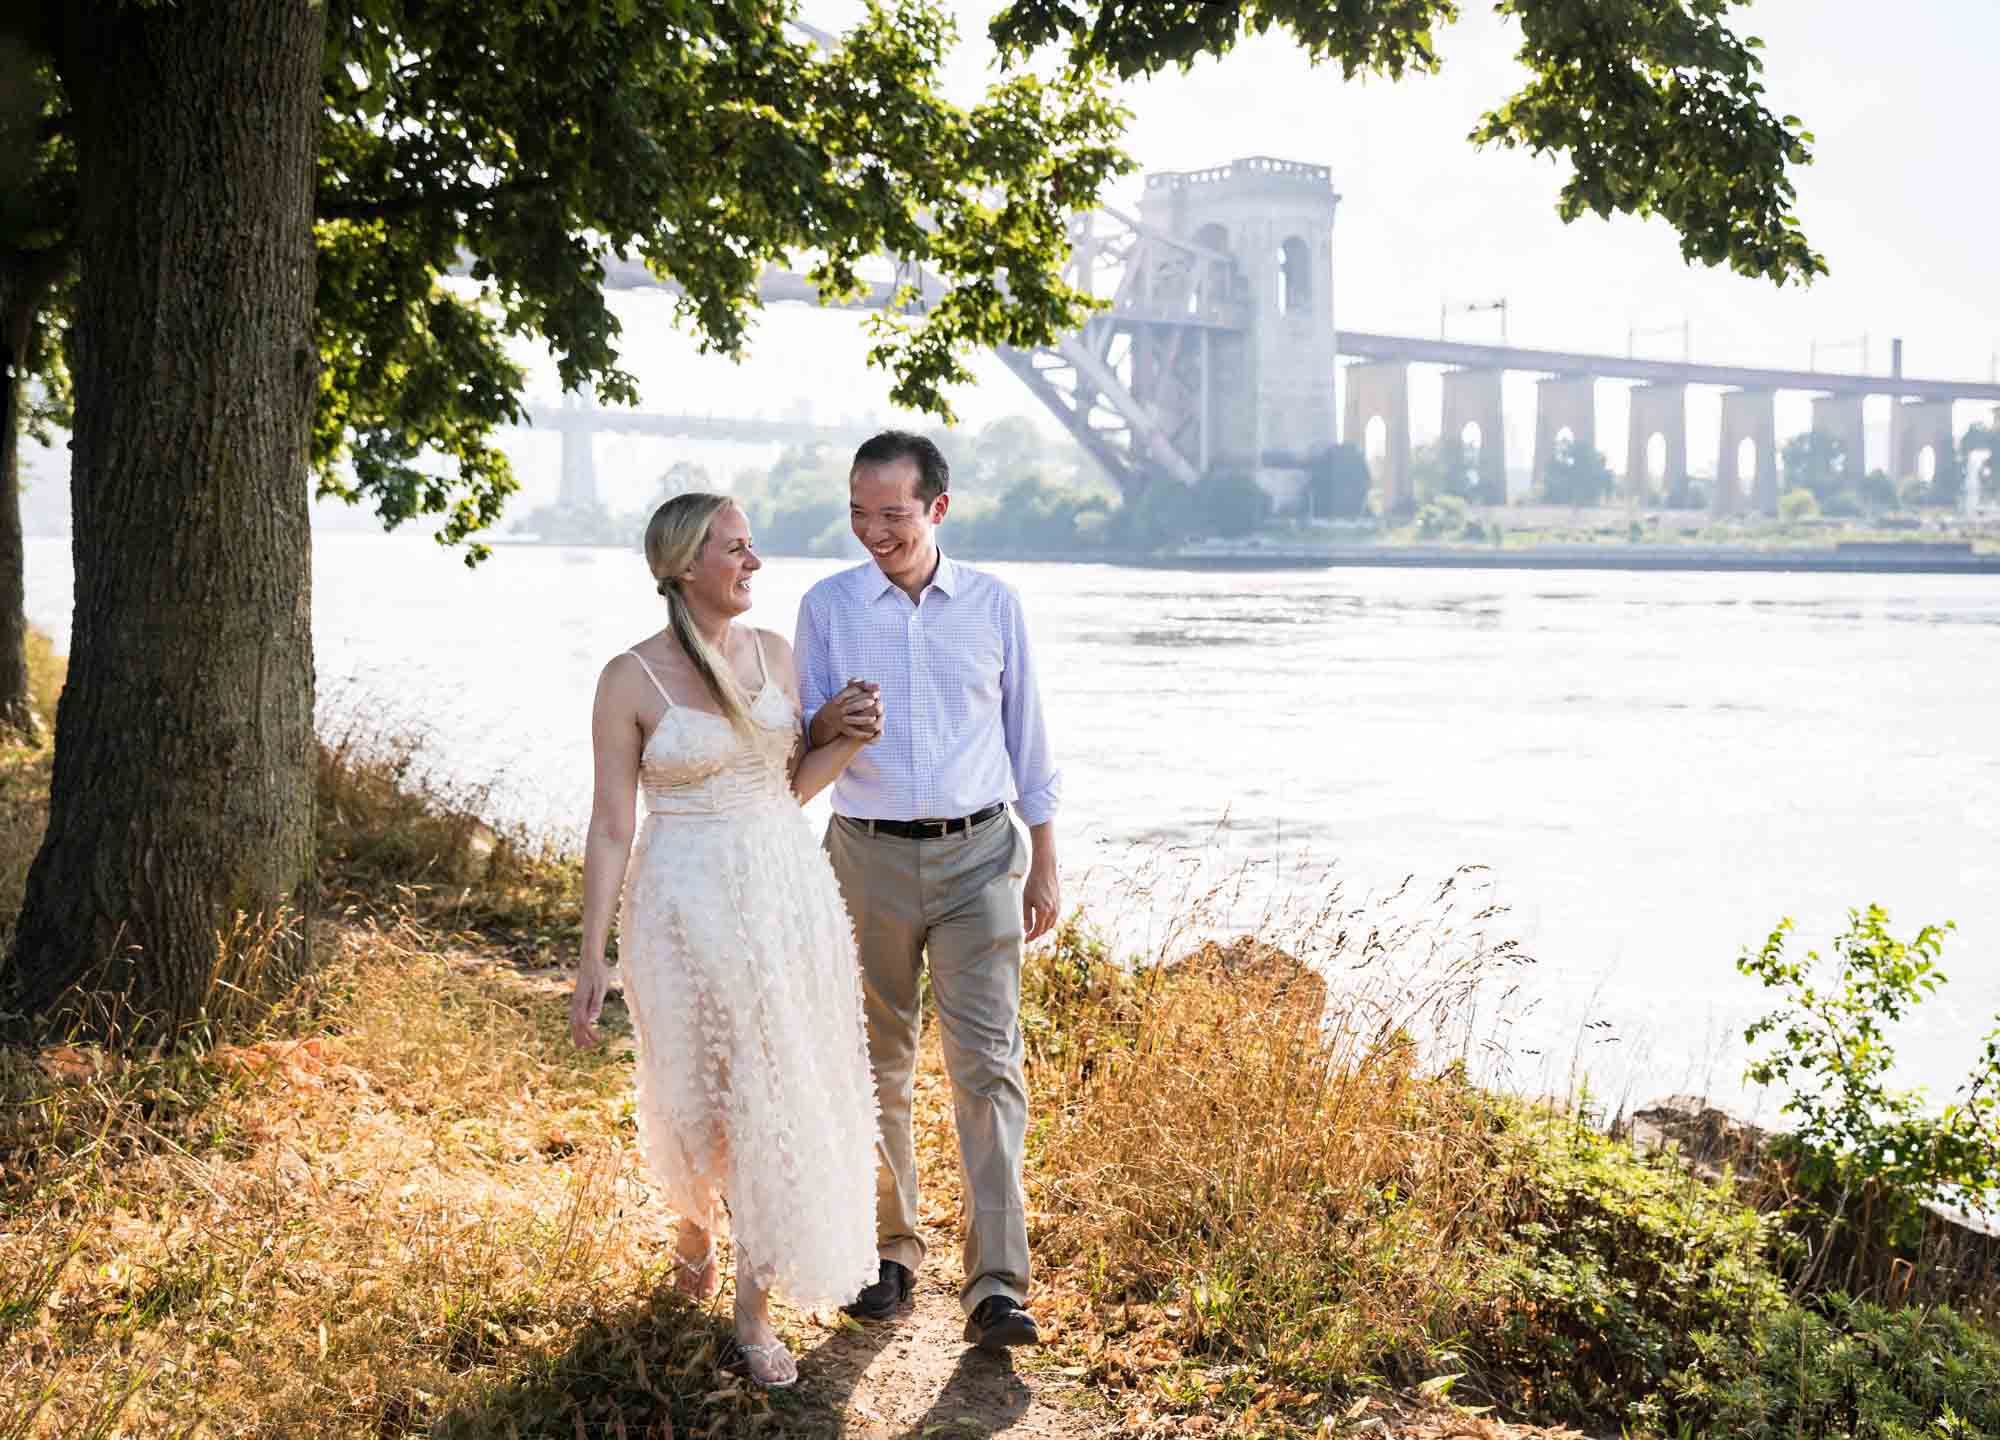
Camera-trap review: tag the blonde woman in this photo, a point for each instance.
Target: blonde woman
(755, 1096)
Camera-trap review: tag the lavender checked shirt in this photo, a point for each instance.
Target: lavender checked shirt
(963, 717)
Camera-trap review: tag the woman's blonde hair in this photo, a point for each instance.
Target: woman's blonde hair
(674, 537)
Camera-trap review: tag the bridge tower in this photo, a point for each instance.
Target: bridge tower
(578, 490)
(1266, 393)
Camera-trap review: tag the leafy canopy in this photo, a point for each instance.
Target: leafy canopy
(1816, 462)
(704, 138)
(529, 145)
(1657, 104)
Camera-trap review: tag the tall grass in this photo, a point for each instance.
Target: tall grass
(374, 1228)
(400, 1203)
(1249, 1155)
(1263, 1183)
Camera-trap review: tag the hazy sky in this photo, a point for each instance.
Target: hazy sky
(1901, 200)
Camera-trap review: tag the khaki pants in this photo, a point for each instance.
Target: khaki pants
(959, 899)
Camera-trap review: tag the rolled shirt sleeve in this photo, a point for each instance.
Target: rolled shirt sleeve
(1037, 780)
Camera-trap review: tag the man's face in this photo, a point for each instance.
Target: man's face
(893, 522)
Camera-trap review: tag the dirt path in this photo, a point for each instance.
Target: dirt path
(916, 1377)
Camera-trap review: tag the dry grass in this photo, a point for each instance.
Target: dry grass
(424, 1216)
(1256, 1191)
(403, 1205)
(392, 839)
(406, 1206)
(24, 780)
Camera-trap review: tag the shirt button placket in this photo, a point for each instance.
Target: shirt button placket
(920, 734)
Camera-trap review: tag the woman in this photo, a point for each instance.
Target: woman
(755, 1095)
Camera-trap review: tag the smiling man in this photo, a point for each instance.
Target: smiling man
(927, 841)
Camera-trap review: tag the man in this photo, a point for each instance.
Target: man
(930, 860)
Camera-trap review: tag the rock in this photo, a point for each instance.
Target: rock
(1710, 1138)
(1960, 1247)
(472, 854)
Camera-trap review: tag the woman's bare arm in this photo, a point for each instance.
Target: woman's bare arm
(615, 742)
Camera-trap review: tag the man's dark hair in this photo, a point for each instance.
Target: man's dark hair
(933, 474)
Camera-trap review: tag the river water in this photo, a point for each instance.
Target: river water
(1653, 768)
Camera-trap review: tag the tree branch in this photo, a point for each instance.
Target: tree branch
(332, 206)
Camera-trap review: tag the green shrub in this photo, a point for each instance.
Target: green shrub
(1859, 1371)
(1878, 491)
(1230, 503)
(1339, 482)
(1442, 518)
(1576, 475)
(1829, 1046)
(1622, 1280)
(1797, 505)
(1160, 515)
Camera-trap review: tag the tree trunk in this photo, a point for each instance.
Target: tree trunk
(21, 291)
(182, 796)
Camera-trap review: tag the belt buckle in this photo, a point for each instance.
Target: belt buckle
(936, 829)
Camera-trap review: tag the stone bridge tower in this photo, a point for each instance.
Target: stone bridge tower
(1269, 393)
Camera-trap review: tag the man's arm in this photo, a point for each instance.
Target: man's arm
(1036, 778)
(813, 667)
(831, 711)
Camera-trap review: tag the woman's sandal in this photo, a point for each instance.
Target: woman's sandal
(771, 1366)
(699, 1278)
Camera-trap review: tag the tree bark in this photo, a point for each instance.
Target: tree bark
(21, 292)
(182, 795)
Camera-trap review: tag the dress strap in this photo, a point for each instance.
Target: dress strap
(652, 677)
(763, 670)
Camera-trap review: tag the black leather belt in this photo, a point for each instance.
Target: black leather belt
(929, 829)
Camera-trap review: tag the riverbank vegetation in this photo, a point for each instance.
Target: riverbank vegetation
(1267, 1196)
(1018, 493)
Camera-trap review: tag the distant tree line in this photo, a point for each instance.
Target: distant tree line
(1821, 478)
(1016, 491)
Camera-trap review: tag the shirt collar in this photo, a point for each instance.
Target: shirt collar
(944, 579)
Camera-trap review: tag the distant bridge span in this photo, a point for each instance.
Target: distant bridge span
(1218, 347)
(1361, 345)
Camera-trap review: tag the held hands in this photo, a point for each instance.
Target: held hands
(586, 1002)
(857, 709)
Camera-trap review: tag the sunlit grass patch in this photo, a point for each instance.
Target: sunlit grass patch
(404, 1219)
(1250, 1174)
(24, 779)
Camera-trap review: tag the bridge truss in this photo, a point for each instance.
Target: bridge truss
(1134, 387)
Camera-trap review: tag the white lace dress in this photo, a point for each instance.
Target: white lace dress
(737, 954)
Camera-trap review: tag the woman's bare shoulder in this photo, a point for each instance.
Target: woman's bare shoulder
(775, 645)
(627, 669)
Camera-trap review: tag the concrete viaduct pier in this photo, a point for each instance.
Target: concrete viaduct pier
(1920, 416)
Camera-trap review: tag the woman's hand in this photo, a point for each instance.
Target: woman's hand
(586, 1002)
(859, 708)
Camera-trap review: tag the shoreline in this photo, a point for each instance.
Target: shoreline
(1718, 559)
